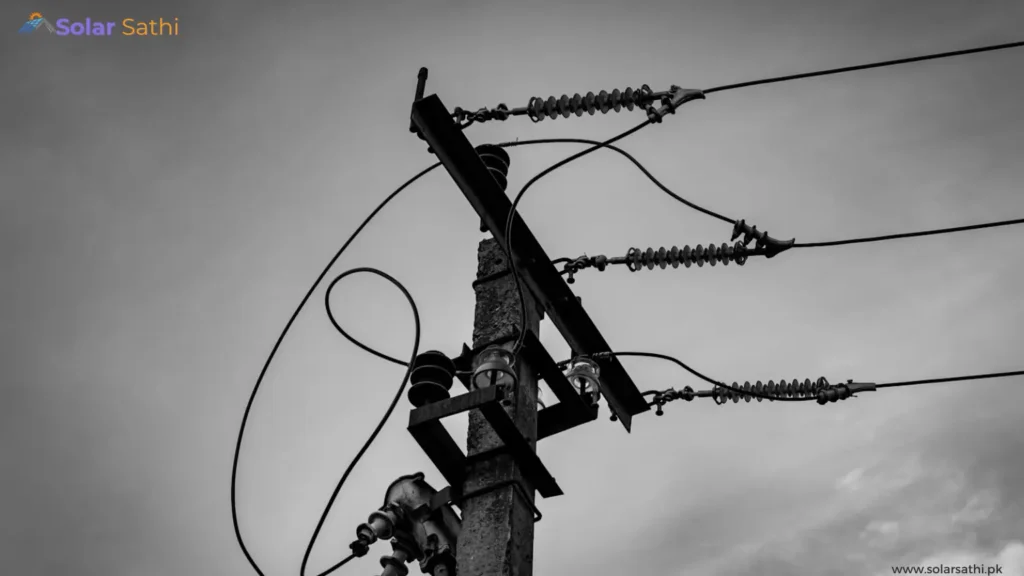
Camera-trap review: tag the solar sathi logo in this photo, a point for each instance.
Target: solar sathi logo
(90, 27)
(35, 20)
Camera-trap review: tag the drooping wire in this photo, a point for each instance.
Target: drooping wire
(845, 69)
(273, 353)
(280, 339)
(387, 413)
(951, 379)
(512, 213)
(908, 234)
(629, 157)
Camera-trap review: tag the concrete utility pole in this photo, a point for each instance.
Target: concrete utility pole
(497, 526)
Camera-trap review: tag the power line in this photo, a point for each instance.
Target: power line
(952, 379)
(330, 570)
(845, 69)
(636, 162)
(686, 367)
(384, 418)
(512, 213)
(908, 234)
(273, 353)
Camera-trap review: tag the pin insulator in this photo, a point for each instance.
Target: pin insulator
(637, 258)
(431, 378)
(540, 108)
(497, 160)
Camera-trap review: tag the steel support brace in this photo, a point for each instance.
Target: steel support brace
(426, 428)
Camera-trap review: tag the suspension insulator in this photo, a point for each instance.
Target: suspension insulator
(782, 389)
(497, 160)
(637, 258)
(540, 108)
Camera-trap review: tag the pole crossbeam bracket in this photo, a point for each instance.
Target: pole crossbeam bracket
(539, 275)
(570, 411)
(426, 428)
(457, 498)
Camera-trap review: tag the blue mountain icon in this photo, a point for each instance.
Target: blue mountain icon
(32, 25)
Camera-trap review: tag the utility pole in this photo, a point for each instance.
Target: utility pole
(496, 480)
(497, 525)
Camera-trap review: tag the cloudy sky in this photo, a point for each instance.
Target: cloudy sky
(167, 201)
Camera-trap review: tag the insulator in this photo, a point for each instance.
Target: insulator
(637, 258)
(431, 378)
(565, 106)
(497, 160)
(758, 391)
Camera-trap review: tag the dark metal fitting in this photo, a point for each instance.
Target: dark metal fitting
(359, 548)
(458, 499)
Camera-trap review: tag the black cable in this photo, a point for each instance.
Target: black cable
(596, 144)
(512, 213)
(273, 352)
(387, 413)
(951, 379)
(862, 67)
(636, 162)
(338, 565)
(908, 234)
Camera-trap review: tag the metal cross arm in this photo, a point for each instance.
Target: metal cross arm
(540, 276)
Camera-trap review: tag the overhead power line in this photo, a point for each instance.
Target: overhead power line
(903, 235)
(273, 353)
(952, 379)
(380, 425)
(629, 99)
(845, 69)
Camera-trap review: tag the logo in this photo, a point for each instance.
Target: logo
(90, 27)
(35, 20)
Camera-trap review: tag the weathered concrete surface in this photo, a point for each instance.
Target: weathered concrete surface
(497, 528)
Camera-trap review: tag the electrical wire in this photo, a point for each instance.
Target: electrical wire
(316, 283)
(520, 339)
(338, 565)
(383, 420)
(684, 366)
(273, 353)
(951, 379)
(845, 69)
(908, 234)
(629, 157)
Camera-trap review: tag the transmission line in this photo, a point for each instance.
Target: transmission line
(845, 69)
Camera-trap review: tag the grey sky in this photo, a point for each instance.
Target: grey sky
(168, 201)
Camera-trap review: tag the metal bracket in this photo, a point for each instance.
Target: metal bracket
(457, 498)
(426, 428)
(571, 410)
